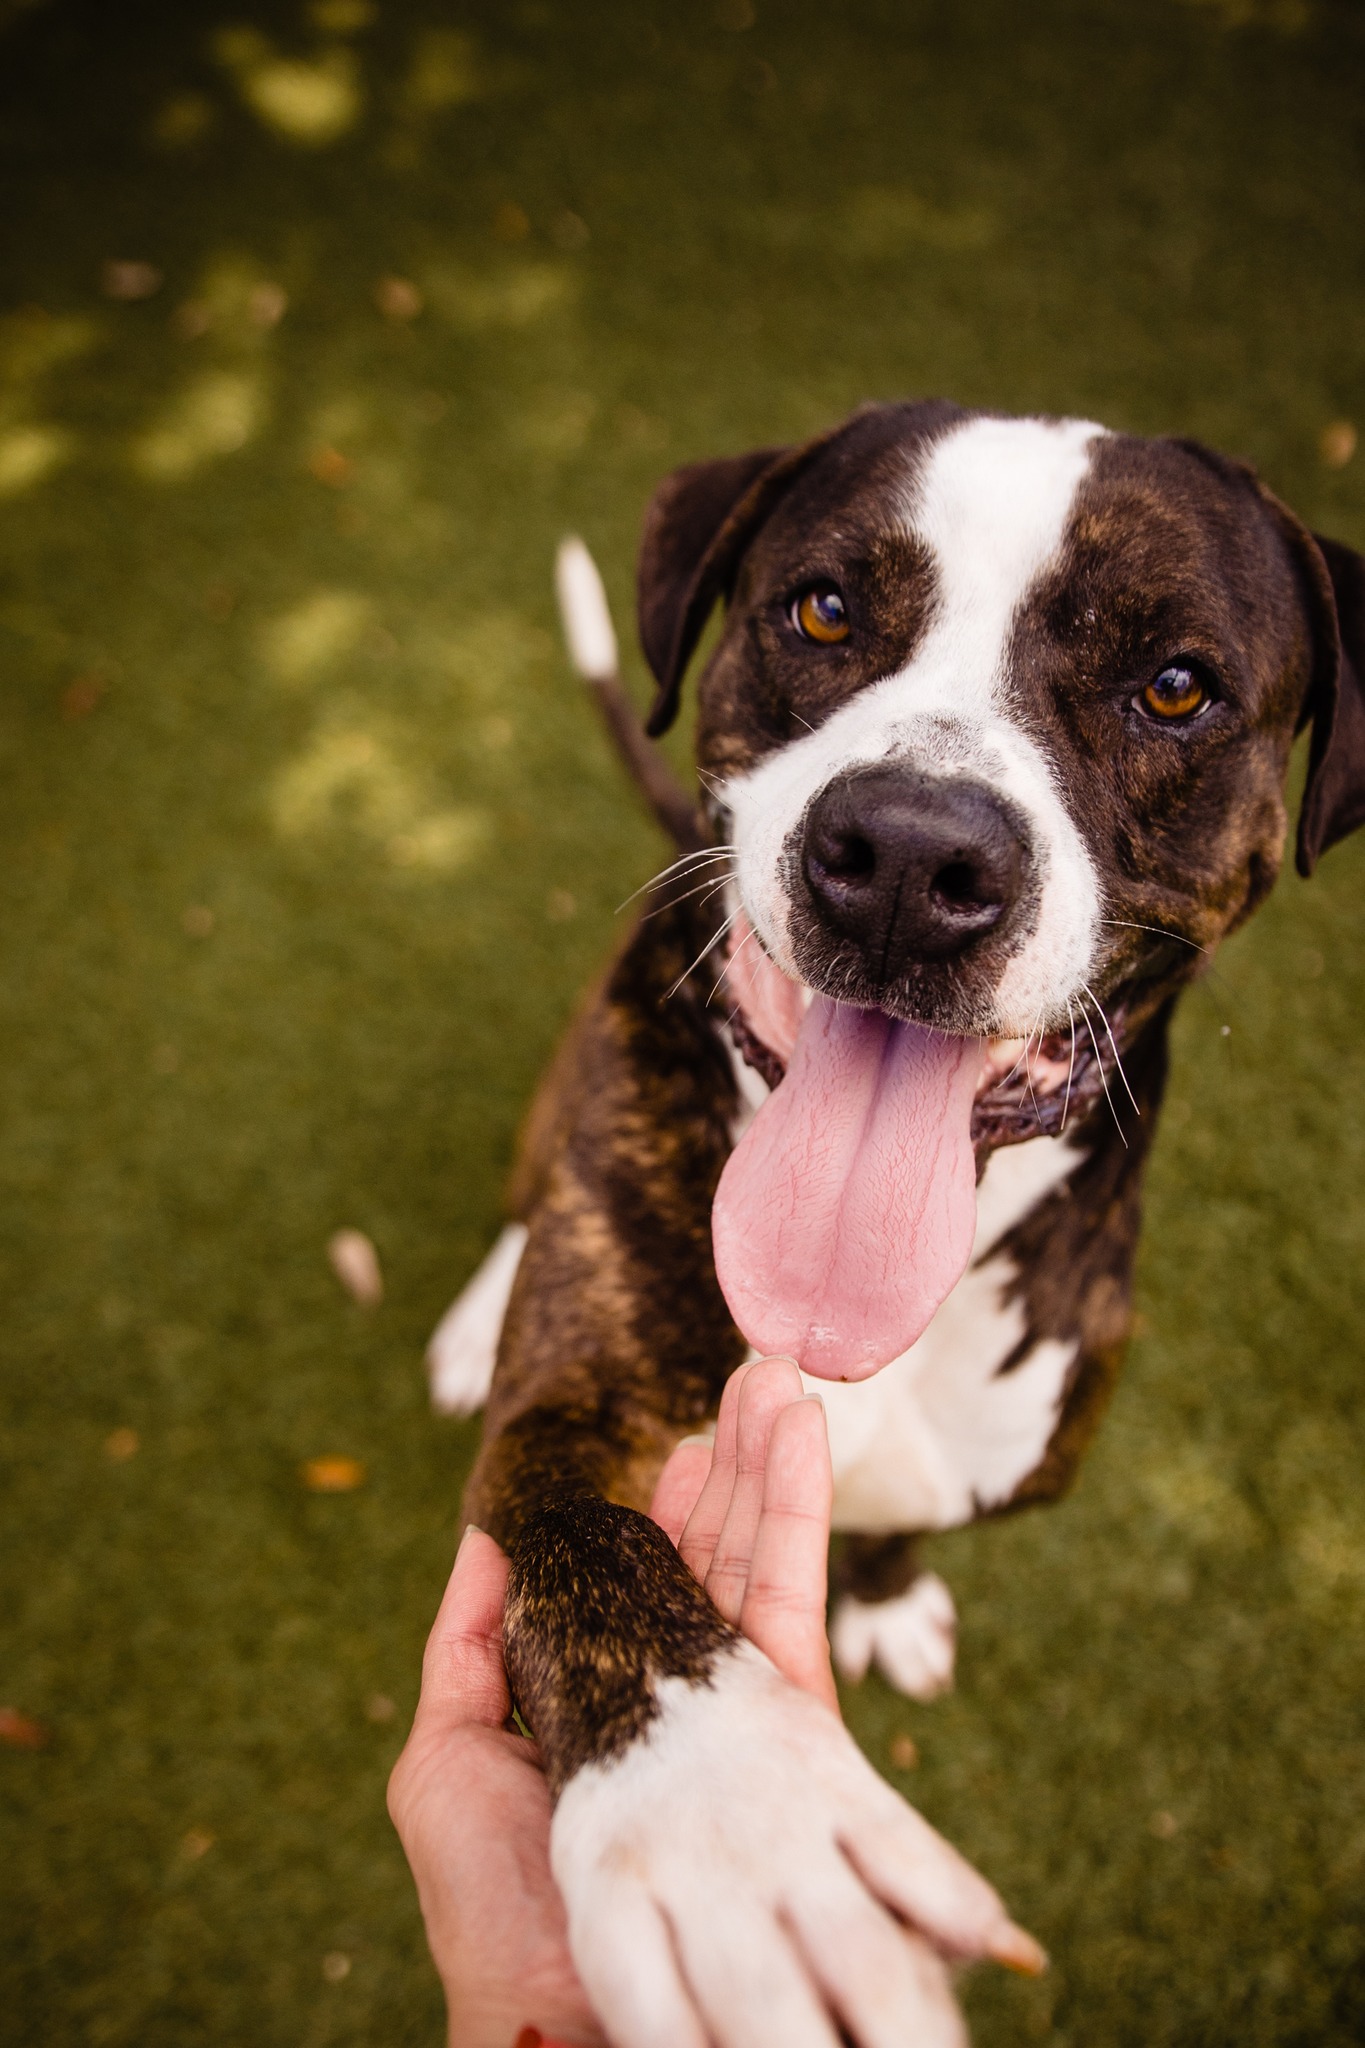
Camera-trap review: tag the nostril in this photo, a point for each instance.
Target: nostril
(958, 886)
(846, 857)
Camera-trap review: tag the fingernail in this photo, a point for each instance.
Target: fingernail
(685, 1442)
(1019, 1951)
(818, 1399)
(470, 1529)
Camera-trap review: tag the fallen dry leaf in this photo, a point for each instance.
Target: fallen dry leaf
(331, 467)
(511, 223)
(121, 279)
(21, 1731)
(356, 1265)
(333, 1475)
(904, 1754)
(197, 1842)
(379, 1708)
(191, 320)
(81, 695)
(1337, 443)
(398, 298)
(267, 304)
(120, 1445)
(336, 1967)
(569, 231)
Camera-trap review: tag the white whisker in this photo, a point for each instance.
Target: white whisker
(1028, 1066)
(1071, 1068)
(686, 861)
(1104, 1078)
(714, 940)
(728, 969)
(709, 884)
(1128, 925)
(1118, 1062)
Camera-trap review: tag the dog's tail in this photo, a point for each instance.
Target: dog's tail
(592, 649)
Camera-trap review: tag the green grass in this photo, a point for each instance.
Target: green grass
(335, 715)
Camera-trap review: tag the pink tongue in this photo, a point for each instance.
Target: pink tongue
(846, 1212)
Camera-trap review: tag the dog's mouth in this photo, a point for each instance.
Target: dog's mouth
(845, 1215)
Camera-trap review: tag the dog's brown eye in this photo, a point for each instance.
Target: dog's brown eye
(1175, 693)
(821, 614)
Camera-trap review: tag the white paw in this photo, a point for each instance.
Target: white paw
(912, 1640)
(464, 1345)
(741, 1876)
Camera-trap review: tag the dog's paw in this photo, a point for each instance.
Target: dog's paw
(912, 1639)
(741, 1875)
(464, 1345)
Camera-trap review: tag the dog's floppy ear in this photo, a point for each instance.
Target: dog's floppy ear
(1334, 798)
(697, 526)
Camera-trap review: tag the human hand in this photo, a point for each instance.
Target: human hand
(468, 1798)
(750, 1515)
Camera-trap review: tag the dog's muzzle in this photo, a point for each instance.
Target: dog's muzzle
(908, 870)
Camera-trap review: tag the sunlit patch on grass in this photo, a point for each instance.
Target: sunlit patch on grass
(557, 424)
(315, 633)
(488, 659)
(1189, 1491)
(34, 342)
(348, 779)
(310, 103)
(28, 454)
(216, 415)
(512, 295)
(1330, 1549)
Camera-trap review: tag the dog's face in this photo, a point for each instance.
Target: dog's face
(999, 721)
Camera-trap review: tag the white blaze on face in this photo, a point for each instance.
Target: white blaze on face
(991, 501)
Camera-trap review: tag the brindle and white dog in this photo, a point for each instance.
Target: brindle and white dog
(993, 750)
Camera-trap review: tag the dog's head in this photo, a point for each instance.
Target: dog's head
(999, 720)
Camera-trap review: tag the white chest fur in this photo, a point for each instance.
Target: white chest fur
(938, 1434)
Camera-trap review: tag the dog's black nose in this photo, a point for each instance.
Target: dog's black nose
(910, 868)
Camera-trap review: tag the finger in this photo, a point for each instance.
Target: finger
(924, 1879)
(784, 1598)
(888, 1986)
(770, 1386)
(463, 1676)
(698, 1541)
(680, 1485)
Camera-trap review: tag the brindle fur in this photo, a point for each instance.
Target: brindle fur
(617, 1340)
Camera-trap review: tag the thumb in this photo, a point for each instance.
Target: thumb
(464, 1678)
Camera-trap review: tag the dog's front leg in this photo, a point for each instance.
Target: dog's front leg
(735, 1872)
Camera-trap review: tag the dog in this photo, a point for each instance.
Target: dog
(992, 753)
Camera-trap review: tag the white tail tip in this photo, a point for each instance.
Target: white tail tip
(583, 608)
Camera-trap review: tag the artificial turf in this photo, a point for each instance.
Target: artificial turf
(309, 841)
